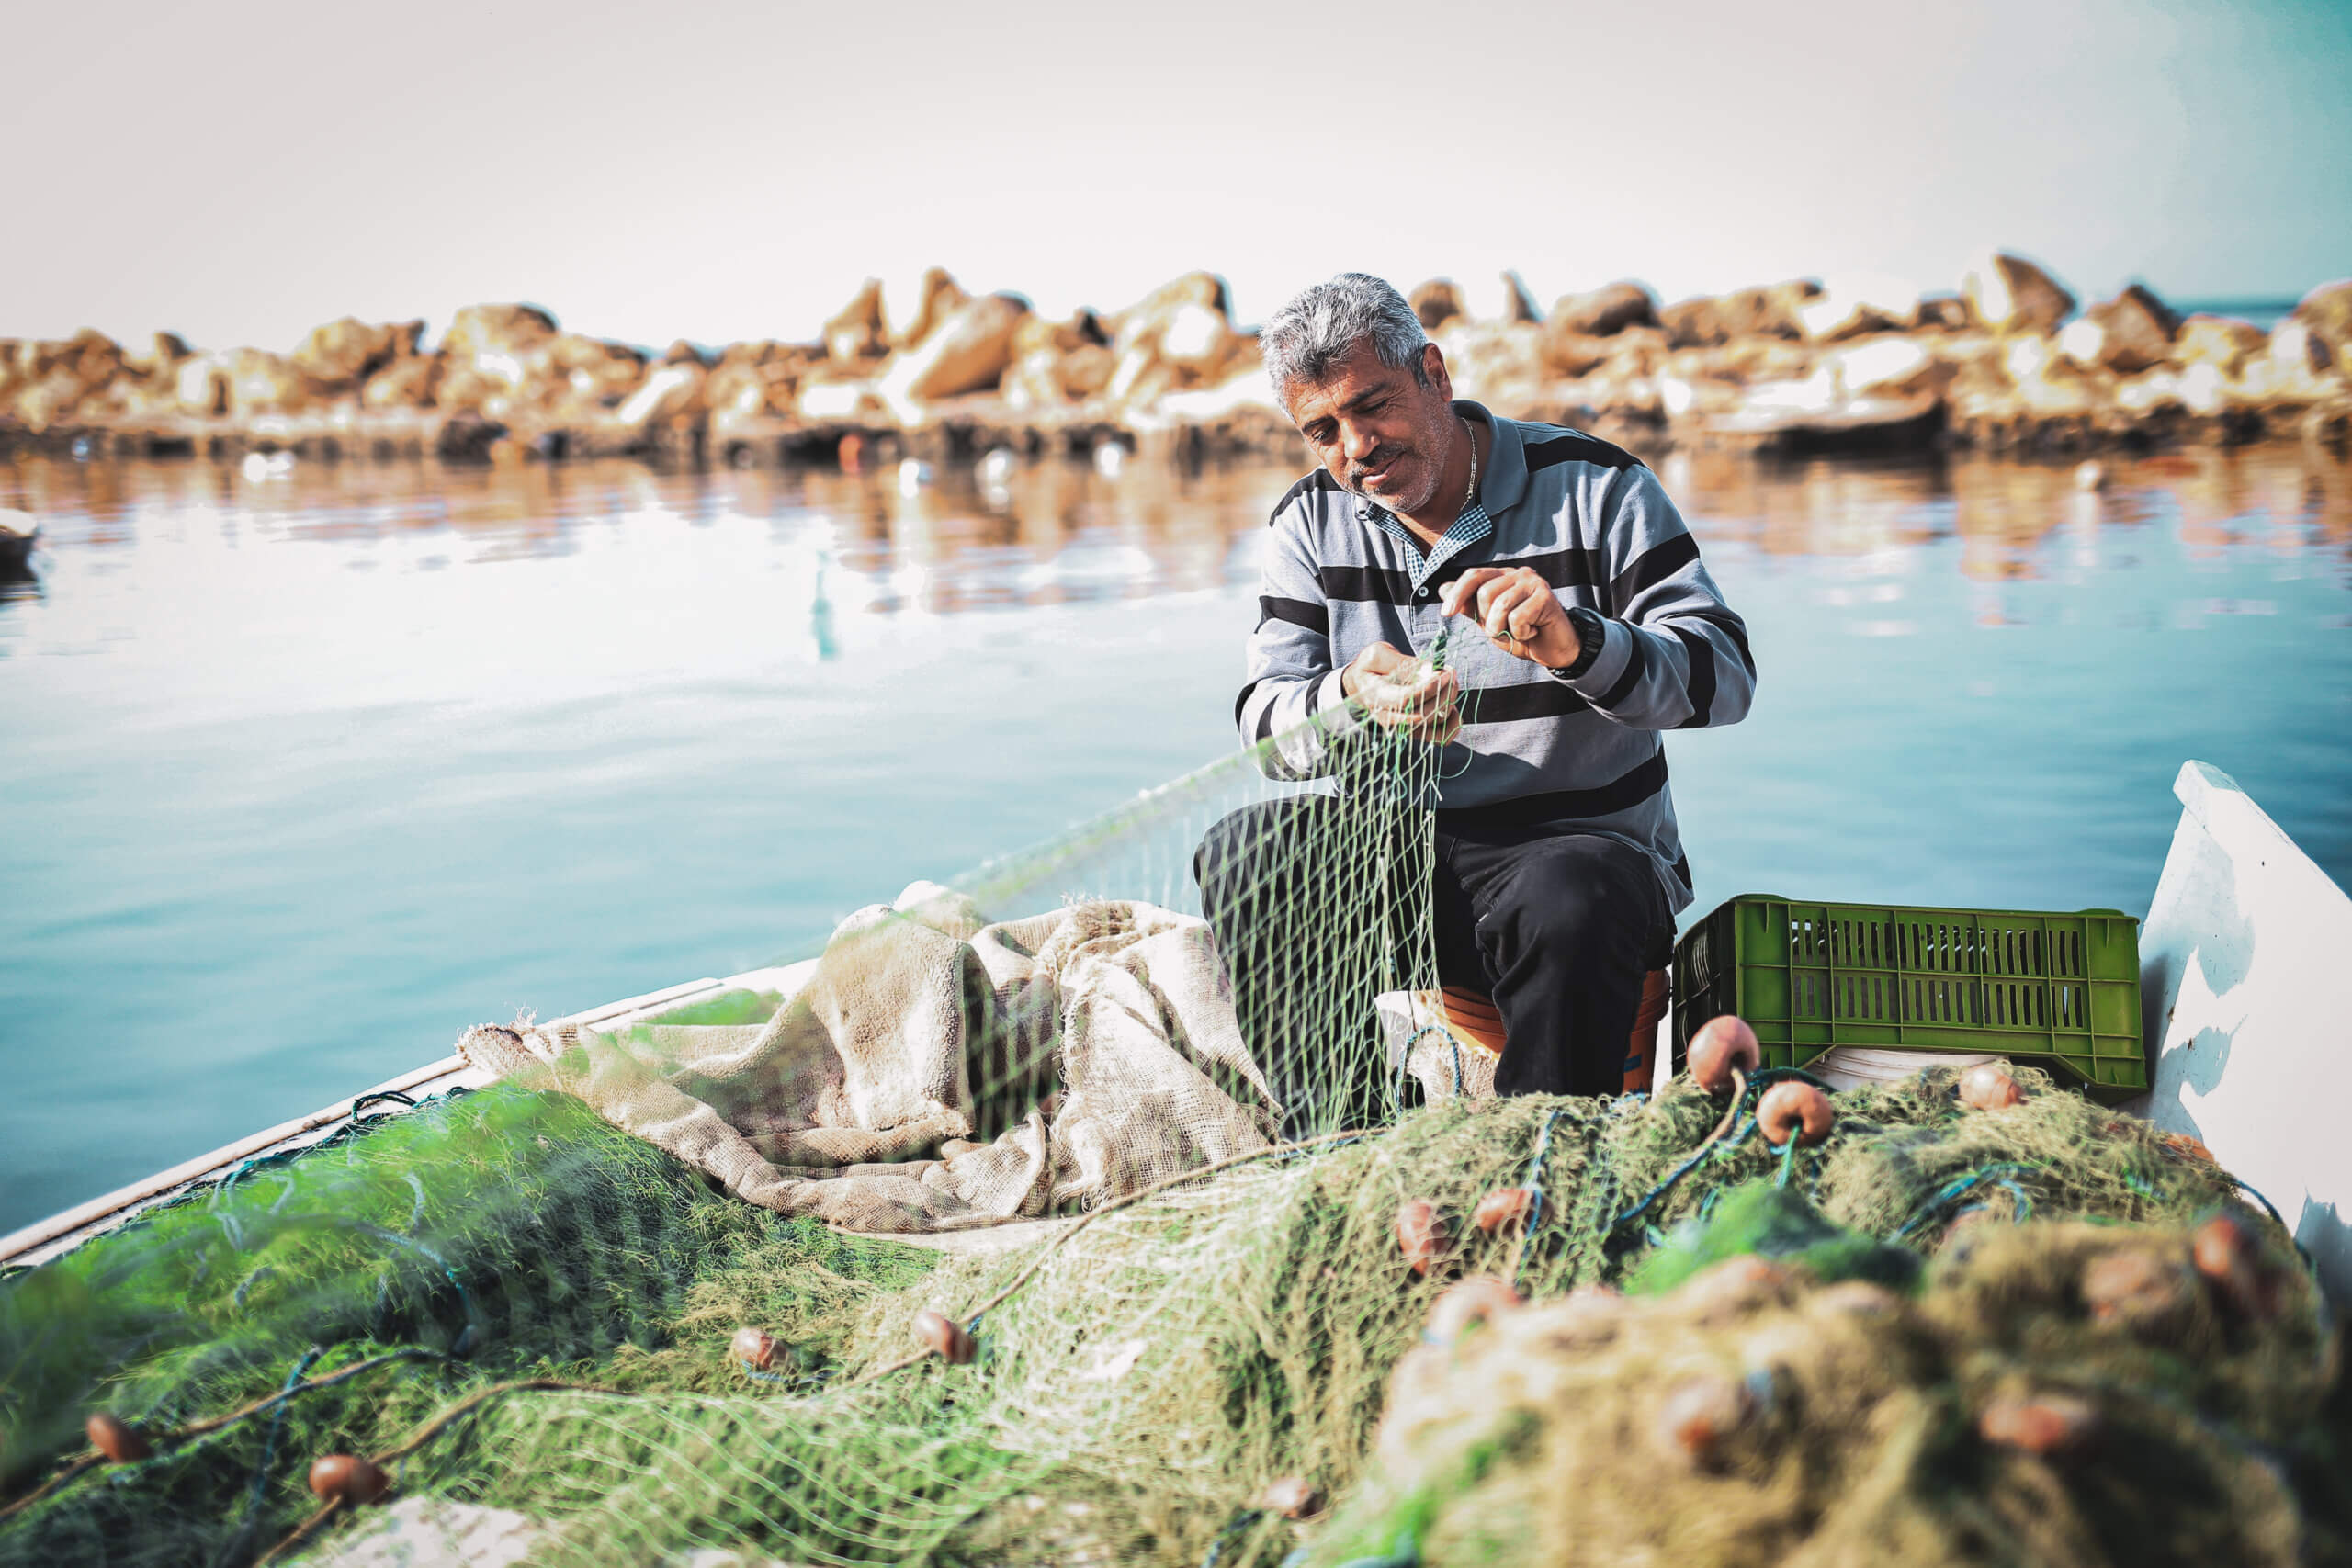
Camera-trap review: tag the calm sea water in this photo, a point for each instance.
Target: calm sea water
(306, 767)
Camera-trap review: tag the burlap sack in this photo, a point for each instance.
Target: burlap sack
(1095, 1048)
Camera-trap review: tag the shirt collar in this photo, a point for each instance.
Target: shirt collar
(1474, 523)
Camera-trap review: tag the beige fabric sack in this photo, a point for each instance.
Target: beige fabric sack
(936, 1073)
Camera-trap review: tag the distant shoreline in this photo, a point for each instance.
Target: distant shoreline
(2005, 363)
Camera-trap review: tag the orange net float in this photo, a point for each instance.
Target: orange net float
(1503, 1206)
(121, 1442)
(1422, 1234)
(348, 1479)
(1793, 1110)
(1723, 1048)
(948, 1339)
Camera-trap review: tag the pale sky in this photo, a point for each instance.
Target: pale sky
(243, 170)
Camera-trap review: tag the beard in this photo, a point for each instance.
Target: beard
(1410, 482)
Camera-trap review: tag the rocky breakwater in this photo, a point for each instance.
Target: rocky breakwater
(2005, 361)
(506, 382)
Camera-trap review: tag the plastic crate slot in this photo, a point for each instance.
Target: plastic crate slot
(1810, 1000)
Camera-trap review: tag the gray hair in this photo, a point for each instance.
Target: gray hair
(1308, 338)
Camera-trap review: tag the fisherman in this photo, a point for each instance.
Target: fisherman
(1559, 869)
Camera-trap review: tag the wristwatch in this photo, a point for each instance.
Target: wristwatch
(1589, 629)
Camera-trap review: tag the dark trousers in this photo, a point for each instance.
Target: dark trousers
(1558, 927)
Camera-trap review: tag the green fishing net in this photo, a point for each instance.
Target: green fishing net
(529, 1320)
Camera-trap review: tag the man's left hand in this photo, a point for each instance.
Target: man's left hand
(1516, 607)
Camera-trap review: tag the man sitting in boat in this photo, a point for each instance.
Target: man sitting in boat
(1559, 869)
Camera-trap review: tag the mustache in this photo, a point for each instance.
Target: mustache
(1382, 459)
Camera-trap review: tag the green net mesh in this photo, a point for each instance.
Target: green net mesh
(529, 1319)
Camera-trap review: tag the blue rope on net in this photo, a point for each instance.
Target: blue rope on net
(260, 1482)
(1707, 1152)
(1998, 1174)
(1535, 1185)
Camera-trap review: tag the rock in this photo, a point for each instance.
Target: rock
(747, 386)
(403, 384)
(825, 400)
(937, 296)
(164, 350)
(1771, 312)
(2010, 294)
(1148, 317)
(503, 330)
(2297, 367)
(488, 354)
(2224, 342)
(51, 379)
(590, 373)
(1196, 339)
(1036, 332)
(1943, 313)
(1437, 302)
(261, 382)
(1086, 369)
(968, 354)
(2326, 312)
(2136, 331)
(2084, 341)
(671, 391)
(201, 385)
(856, 333)
(1604, 311)
(1179, 337)
(1572, 353)
(1894, 365)
(2295, 341)
(1493, 360)
(349, 350)
(1519, 304)
(1858, 307)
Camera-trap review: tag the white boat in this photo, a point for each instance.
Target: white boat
(2250, 1056)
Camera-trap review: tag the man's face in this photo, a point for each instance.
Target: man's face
(1377, 430)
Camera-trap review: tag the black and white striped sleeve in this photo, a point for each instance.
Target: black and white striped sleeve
(1673, 655)
(1290, 708)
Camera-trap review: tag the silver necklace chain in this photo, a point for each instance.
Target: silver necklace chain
(1470, 494)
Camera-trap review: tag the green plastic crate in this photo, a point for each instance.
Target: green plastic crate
(2060, 991)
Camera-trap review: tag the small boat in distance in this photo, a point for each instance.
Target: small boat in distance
(18, 532)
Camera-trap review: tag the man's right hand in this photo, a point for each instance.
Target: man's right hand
(1399, 692)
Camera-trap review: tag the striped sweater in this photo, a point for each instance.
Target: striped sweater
(1537, 750)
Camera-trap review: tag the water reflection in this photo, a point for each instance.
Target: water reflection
(1003, 532)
